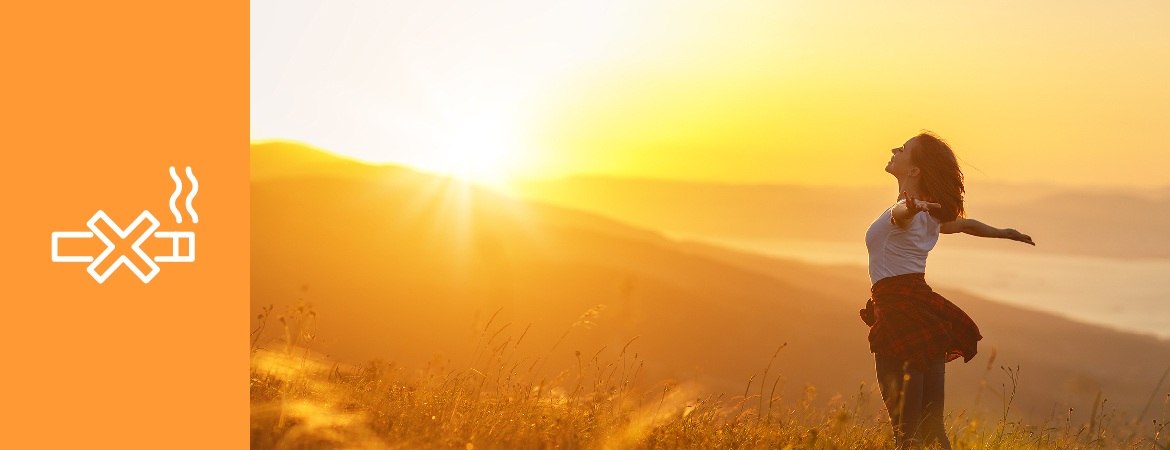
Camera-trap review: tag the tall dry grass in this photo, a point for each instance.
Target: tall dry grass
(502, 401)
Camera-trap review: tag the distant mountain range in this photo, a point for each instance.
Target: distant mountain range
(410, 267)
(1113, 223)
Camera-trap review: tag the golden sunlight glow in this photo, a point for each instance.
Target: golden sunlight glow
(802, 92)
(817, 97)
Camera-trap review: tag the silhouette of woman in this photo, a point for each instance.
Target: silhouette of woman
(913, 330)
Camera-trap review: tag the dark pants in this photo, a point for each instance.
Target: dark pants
(914, 400)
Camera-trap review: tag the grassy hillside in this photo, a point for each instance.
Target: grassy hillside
(300, 400)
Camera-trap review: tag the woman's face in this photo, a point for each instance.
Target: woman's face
(900, 165)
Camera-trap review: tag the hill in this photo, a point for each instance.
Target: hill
(410, 267)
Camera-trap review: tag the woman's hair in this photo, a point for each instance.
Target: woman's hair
(941, 180)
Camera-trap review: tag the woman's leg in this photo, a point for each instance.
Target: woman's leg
(933, 391)
(901, 388)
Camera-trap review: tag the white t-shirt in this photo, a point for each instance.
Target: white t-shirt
(896, 251)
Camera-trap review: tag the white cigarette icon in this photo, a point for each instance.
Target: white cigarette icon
(175, 236)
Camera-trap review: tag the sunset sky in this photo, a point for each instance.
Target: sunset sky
(814, 92)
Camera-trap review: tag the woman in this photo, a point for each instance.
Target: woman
(914, 331)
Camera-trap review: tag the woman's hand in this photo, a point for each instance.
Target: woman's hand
(904, 213)
(916, 206)
(1014, 235)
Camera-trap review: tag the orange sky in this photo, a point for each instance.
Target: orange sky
(1071, 93)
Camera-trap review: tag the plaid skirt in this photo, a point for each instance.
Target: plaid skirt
(909, 321)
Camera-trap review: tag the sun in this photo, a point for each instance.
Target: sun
(478, 138)
(479, 158)
(479, 148)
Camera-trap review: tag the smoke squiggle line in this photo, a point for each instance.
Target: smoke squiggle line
(175, 196)
(194, 190)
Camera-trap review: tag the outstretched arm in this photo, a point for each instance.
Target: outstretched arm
(976, 228)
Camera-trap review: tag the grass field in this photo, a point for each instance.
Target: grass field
(503, 401)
